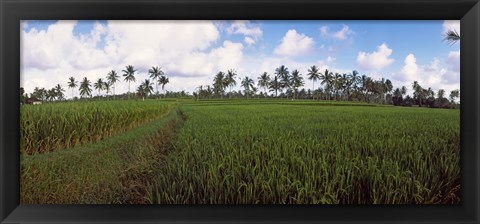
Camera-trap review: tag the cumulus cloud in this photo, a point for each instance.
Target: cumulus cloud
(342, 34)
(183, 49)
(294, 44)
(438, 74)
(249, 40)
(375, 60)
(246, 28)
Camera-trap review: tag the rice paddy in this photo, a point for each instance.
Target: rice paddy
(245, 152)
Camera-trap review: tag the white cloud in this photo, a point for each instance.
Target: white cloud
(409, 70)
(249, 40)
(294, 44)
(375, 60)
(228, 56)
(437, 75)
(342, 34)
(451, 25)
(245, 28)
(184, 50)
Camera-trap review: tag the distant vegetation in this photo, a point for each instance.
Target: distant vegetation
(283, 84)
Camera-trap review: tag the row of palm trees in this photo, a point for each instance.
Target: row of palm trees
(107, 85)
(335, 86)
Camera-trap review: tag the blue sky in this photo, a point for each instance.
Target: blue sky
(192, 52)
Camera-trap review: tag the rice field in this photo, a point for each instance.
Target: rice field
(50, 127)
(311, 153)
(242, 152)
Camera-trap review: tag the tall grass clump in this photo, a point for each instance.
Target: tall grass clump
(300, 153)
(54, 126)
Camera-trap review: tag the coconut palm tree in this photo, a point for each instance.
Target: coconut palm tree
(98, 86)
(112, 78)
(72, 84)
(51, 94)
(326, 78)
(247, 84)
(284, 76)
(388, 87)
(313, 75)
(403, 90)
(106, 87)
(296, 81)
(451, 37)
(59, 92)
(264, 81)
(219, 84)
(441, 94)
(155, 74)
(145, 89)
(163, 80)
(454, 94)
(129, 74)
(337, 83)
(230, 80)
(275, 85)
(85, 87)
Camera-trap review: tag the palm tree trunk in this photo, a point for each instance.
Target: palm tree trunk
(313, 90)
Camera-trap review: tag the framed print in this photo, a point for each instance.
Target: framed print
(239, 111)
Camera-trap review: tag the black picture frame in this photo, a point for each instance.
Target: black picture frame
(12, 11)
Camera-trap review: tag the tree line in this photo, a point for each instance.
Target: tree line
(145, 89)
(283, 84)
(334, 86)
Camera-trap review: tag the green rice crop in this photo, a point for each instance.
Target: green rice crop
(115, 170)
(53, 126)
(299, 152)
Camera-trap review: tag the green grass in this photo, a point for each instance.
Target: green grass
(114, 170)
(54, 126)
(305, 152)
(272, 151)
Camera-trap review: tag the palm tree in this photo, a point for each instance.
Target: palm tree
(230, 80)
(313, 75)
(219, 84)
(145, 88)
(388, 86)
(98, 86)
(112, 78)
(296, 81)
(403, 90)
(247, 84)
(72, 84)
(337, 82)
(326, 78)
(417, 92)
(454, 94)
(275, 85)
(51, 94)
(59, 91)
(155, 74)
(441, 94)
(85, 87)
(106, 87)
(284, 75)
(264, 81)
(129, 74)
(163, 80)
(451, 37)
